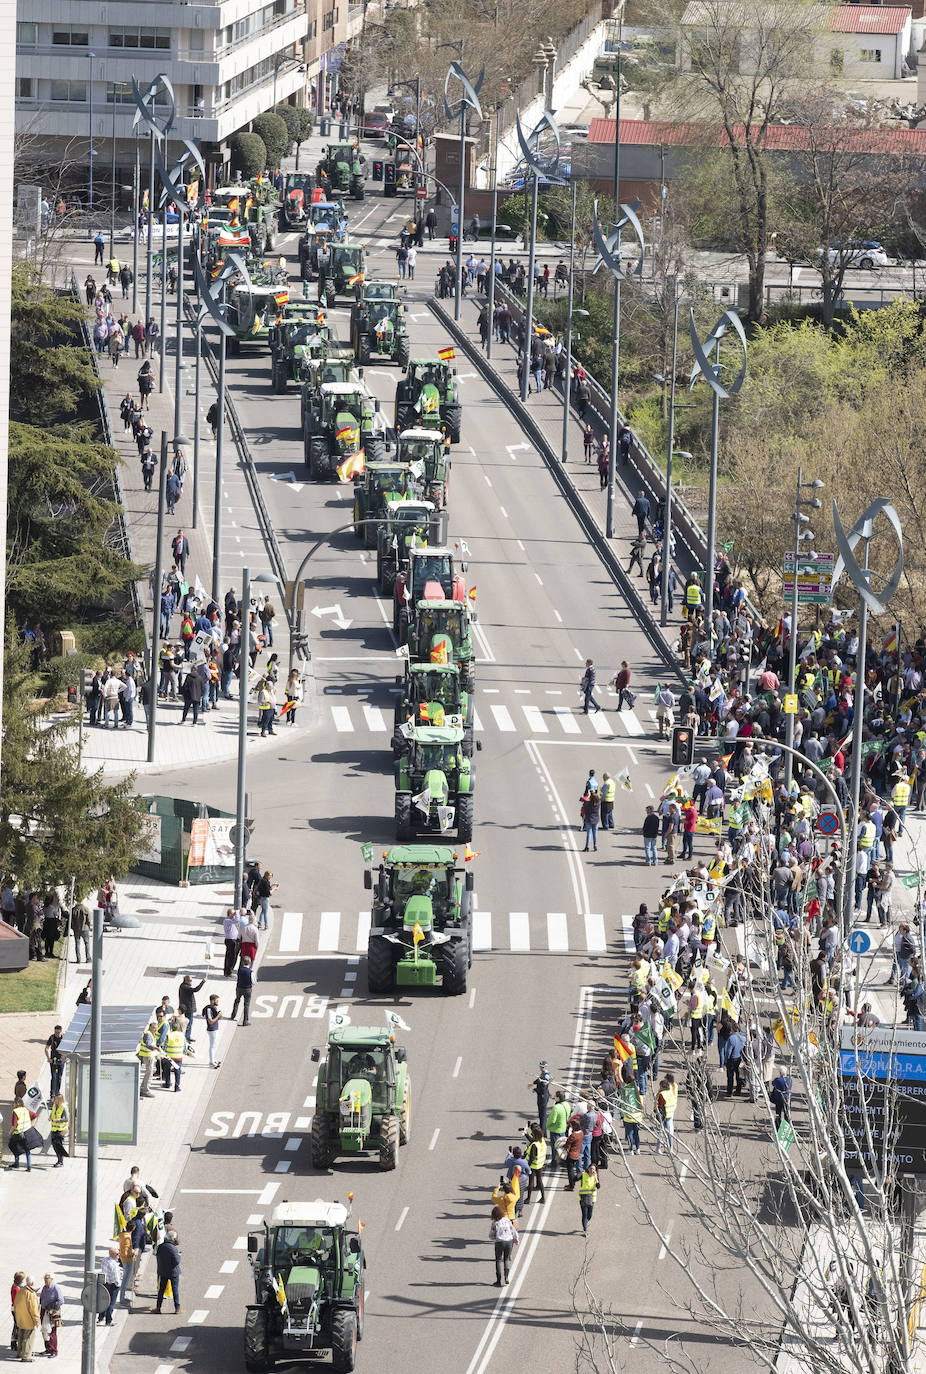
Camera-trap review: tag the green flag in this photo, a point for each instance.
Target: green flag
(367, 852)
(911, 880)
(786, 1136)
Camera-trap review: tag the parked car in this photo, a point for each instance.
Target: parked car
(864, 253)
(375, 125)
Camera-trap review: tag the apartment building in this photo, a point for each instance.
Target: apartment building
(228, 61)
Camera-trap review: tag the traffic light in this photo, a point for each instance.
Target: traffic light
(389, 178)
(377, 171)
(683, 742)
(86, 681)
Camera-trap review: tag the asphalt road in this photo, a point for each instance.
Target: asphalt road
(550, 969)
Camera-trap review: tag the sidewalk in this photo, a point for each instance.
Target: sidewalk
(122, 750)
(43, 1212)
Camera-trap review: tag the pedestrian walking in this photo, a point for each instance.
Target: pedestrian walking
(186, 1003)
(641, 510)
(410, 260)
(99, 243)
(145, 385)
(212, 1016)
(587, 686)
(55, 1060)
(59, 1125)
(51, 1300)
(588, 1189)
(637, 549)
(591, 817)
(168, 1262)
(504, 1233)
(243, 988)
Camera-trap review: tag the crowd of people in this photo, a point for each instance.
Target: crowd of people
(115, 334)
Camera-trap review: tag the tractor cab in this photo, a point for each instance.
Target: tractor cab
(429, 448)
(327, 217)
(432, 575)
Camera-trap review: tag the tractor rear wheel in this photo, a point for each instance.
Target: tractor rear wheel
(404, 416)
(388, 1142)
(319, 459)
(403, 816)
(380, 966)
(453, 419)
(455, 965)
(278, 377)
(358, 527)
(403, 351)
(405, 1115)
(374, 448)
(464, 816)
(468, 675)
(369, 534)
(343, 1339)
(321, 1141)
(256, 1353)
(329, 295)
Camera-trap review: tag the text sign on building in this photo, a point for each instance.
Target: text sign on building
(884, 1097)
(814, 578)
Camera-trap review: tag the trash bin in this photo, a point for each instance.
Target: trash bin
(325, 127)
(343, 131)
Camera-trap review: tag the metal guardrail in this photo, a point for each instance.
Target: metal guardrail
(250, 471)
(125, 536)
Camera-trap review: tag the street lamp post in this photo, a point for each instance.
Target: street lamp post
(616, 329)
(490, 301)
(243, 667)
(156, 598)
(469, 100)
(91, 1273)
(149, 255)
(567, 380)
(136, 192)
(90, 59)
(670, 453)
(799, 535)
(112, 173)
(530, 149)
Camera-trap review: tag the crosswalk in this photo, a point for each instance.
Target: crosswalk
(515, 932)
(519, 718)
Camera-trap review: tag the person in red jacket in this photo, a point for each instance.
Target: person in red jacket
(622, 686)
(689, 825)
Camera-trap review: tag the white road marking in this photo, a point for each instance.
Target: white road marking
(505, 1303)
(472, 998)
(302, 1123)
(664, 1247)
(534, 717)
(576, 867)
(630, 722)
(434, 1137)
(503, 512)
(682, 1172)
(402, 1215)
(256, 1219)
(477, 720)
(290, 932)
(523, 691)
(363, 930)
(521, 546)
(557, 931)
(567, 720)
(181, 1344)
(600, 723)
(229, 1266)
(636, 1334)
(482, 930)
(457, 1067)
(197, 1317)
(374, 718)
(577, 654)
(488, 480)
(519, 933)
(484, 644)
(292, 1143)
(342, 720)
(502, 717)
(214, 1291)
(350, 977)
(649, 791)
(595, 939)
(282, 1166)
(329, 930)
(627, 923)
(539, 578)
(557, 614)
(164, 1369)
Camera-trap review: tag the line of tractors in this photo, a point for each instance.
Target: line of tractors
(308, 1262)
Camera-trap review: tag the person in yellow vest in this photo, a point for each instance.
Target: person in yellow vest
(708, 928)
(59, 1124)
(147, 1052)
(866, 833)
(174, 1049)
(588, 1187)
(718, 865)
(638, 975)
(608, 787)
(697, 1006)
(666, 1104)
(900, 799)
(692, 597)
(24, 1138)
(536, 1159)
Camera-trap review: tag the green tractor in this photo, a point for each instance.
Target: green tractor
(297, 340)
(307, 1265)
(340, 271)
(339, 171)
(242, 204)
(363, 1097)
(433, 694)
(404, 524)
(421, 921)
(428, 397)
(315, 372)
(381, 485)
(340, 422)
(429, 448)
(431, 573)
(327, 224)
(377, 324)
(440, 631)
(434, 784)
(253, 312)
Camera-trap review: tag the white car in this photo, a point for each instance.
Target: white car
(864, 253)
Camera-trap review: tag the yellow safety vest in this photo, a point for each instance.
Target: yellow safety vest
(144, 1051)
(587, 1186)
(607, 790)
(537, 1154)
(638, 977)
(692, 594)
(866, 834)
(59, 1119)
(669, 1101)
(663, 922)
(176, 1042)
(707, 928)
(21, 1120)
(717, 869)
(901, 794)
(697, 1006)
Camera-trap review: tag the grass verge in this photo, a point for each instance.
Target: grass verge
(33, 989)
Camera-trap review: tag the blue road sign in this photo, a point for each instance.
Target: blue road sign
(859, 942)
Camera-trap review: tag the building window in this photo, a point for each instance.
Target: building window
(870, 55)
(70, 36)
(27, 35)
(25, 88)
(73, 91)
(242, 28)
(138, 37)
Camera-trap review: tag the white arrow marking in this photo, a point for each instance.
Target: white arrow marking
(289, 477)
(513, 449)
(336, 611)
(464, 376)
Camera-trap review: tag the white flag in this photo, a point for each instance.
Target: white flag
(407, 730)
(394, 1019)
(406, 593)
(423, 800)
(445, 815)
(463, 546)
(338, 1018)
(623, 778)
(402, 651)
(199, 591)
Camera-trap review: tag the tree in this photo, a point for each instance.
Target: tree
(248, 154)
(56, 821)
(271, 128)
(51, 375)
(304, 126)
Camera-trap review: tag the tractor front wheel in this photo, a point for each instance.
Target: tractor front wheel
(403, 816)
(455, 966)
(468, 675)
(256, 1352)
(464, 817)
(374, 448)
(453, 418)
(330, 294)
(403, 352)
(321, 1141)
(319, 458)
(343, 1340)
(388, 1143)
(380, 966)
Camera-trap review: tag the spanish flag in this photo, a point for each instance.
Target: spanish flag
(344, 434)
(352, 281)
(260, 178)
(439, 652)
(469, 854)
(281, 297)
(890, 642)
(233, 205)
(624, 1051)
(417, 933)
(446, 355)
(353, 466)
(472, 593)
